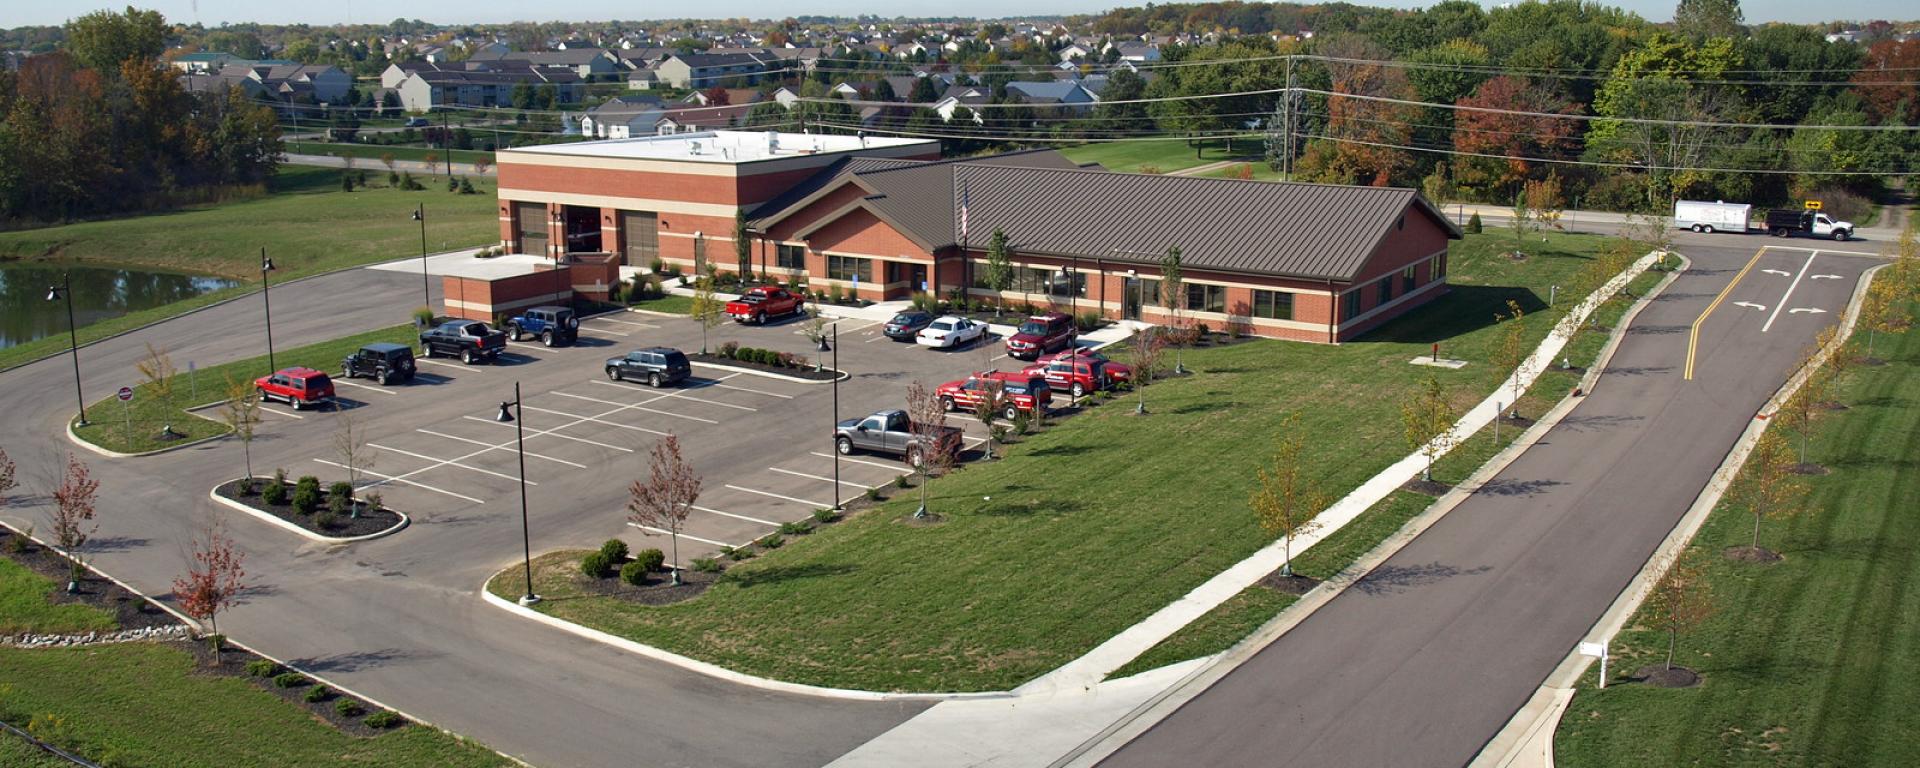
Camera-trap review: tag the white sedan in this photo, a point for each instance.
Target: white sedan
(951, 332)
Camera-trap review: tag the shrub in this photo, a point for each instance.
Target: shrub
(1088, 320)
(706, 565)
(382, 720)
(729, 348)
(422, 316)
(900, 481)
(17, 543)
(799, 361)
(276, 492)
(836, 295)
(739, 554)
(326, 520)
(1473, 224)
(772, 541)
(650, 559)
(306, 494)
(340, 498)
(824, 515)
(317, 694)
(1202, 329)
(262, 668)
(375, 502)
(796, 528)
(347, 708)
(658, 266)
(783, 359)
(289, 680)
(615, 551)
(595, 564)
(873, 494)
(633, 573)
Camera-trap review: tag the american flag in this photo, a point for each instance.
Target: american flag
(963, 212)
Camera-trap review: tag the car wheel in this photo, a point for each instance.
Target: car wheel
(613, 374)
(759, 319)
(514, 331)
(296, 403)
(946, 404)
(546, 337)
(1078, 390)
(1707, 228)
(653, 380)
(1695, 228)
(467, 356)
(1012, 413)
(386, 378)
(1840, 234)
(844, 445)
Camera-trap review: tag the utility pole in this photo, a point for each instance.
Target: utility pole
(1286, 112)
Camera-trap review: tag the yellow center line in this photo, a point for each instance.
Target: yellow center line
(1693, 335)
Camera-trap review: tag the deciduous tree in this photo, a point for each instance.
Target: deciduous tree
(1147, 349)
(708, 310)
(665, 499)
(991, 399)
(999, 270)
(742, 247)
(72, 517)
(1680, 601)
(103, 40)
(215, 579)
(1286, 500)
(1427, 423)
(1173, 296)
(929, 421)
(158, 371)
(241, 412)
(1512, 353)
(1768, 485)
(350, 444)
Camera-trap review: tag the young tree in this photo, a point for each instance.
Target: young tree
(1768, 485)
(388, 159)
(1286, 501)
(241, 413)
(433, 162)
(1801, 410)
(1428, 421)
(667, 496)
(1543, 199)
(1512, 353)
(1680, 601)
(350, 444)
(709, 310)
(992, 399)
(481, 164)
(214, 581)
(929, 419)
(158, 371)
(1173, 295)
(1524, 223)
(1837, 365)
(72, 517)
(1147, 347)
(742, 247)
(1880, 312)
(999, 271)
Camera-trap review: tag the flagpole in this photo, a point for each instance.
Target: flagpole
(966, 260)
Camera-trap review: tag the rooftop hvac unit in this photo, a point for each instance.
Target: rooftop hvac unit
(693, 147)
(773, 142)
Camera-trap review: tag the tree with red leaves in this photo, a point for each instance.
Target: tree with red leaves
(1885, 81)
(213, 582)
(72, 517)
(1513, 137)
(666, 498)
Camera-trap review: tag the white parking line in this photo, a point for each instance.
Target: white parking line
(444, 364)
(584, 397)
(526, 344)
(814, 504)
(491, 446)
(596, 421)
(819, 478)
(281, 413)
(874, 339)
(737, 517)
(627, 322)
(684, 396)
(683, 534)
(894, 467)
(640, 407)
(384, 479)
(755, 391)
(365, 386)
(446, 463)
(553, 433)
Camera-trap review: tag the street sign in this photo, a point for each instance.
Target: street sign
(1813, 205)
(1598, 651)
(125, 394)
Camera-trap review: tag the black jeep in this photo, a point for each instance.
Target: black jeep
(382, 362)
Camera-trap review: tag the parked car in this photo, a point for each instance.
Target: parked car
(1077, 374)
(469, 340)
(298, 387)
(760, 303)
(382, 362)
(657, 366)
(1041, 334)
(950, 332)
(552, 325)
(1118, 372)
(906, 325)
(416, 122)
(1787, 223)
(892, 433)
(1019, 391)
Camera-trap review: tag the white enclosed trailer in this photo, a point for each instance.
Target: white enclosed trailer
(1711, 217)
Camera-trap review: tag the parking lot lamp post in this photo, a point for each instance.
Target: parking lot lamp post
(520, 438)
(55, 293)
(266, 265)
(426, 290)
(836, 413)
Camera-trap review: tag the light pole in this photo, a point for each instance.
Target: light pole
(266, 265)
(426, 291)
(836, 413)
(55, 293)
(520, 438)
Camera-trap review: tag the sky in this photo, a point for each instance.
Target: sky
(15, 13)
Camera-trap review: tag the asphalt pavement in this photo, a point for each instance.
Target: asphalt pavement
(1424, 659)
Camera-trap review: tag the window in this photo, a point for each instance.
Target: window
(790, 256)
(1274, 305)
(1386, 289)
(1352, 301)
(1440, 267)
(1149, 293)
(1207, 298)
(1034, 279)
(847, 268)
(1406, 280)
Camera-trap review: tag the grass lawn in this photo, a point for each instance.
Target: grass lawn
(1077, 540)
(307, 225)
(24, 607)
(15, 752)
(108, 420)
(674, 303)
(148, 705)
(373, 152)
(1227, 623)
(1808, 661)
(1167, 156)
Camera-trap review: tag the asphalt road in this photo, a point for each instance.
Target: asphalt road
(1422, 661)
(400, 618)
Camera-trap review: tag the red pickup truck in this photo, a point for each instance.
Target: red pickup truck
(762, 302)
(299, 387)
(1019, 391)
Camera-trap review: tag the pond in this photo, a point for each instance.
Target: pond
(99, 293)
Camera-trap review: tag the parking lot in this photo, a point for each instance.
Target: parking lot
(762, 445)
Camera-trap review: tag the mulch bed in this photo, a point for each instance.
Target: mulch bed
(130, 610)
(808, 373)
(1808, 468)
(1871, 362)
(369, 521)
(1658, 676)
(1752, 555)
(1516, 421)
(1291, 585)
(1427, 487)
(233, 663)
(659, 589)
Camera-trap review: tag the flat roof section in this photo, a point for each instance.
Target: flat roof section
(723, 147)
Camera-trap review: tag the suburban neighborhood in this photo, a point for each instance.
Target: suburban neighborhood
(1227, 384)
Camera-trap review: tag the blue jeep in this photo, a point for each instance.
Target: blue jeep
(553, 325)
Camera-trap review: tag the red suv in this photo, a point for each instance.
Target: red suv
(1019, 391)
(299, 387)
(1078, 374)
(1118, 372)
(1041, 334)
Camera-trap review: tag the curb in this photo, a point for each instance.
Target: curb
(752, 372)
(1572, 668)
(657, 313)
(716, 671)
(404, 521)
(112, 454)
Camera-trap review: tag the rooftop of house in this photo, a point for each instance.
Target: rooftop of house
(721, 147)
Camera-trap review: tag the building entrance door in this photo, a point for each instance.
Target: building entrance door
(1130, 300)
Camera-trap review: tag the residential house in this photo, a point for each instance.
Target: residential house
(642, 80)
(424, 88)
(624, 117)
(1138, 51)
(705, 70)
(1075, 51)
(585, 62)
(1064, 93)
(959, 96)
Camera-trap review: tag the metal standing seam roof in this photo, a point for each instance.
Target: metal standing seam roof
(865, 168)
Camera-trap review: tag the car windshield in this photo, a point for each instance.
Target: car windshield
(941, 325)
(1034, 327)
(907, 318)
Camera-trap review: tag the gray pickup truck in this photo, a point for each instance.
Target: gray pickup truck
(890, 432)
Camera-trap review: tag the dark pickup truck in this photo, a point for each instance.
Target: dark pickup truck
(469, 340)
(891, 432)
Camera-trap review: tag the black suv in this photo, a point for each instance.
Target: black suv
(382, 362)
(657, 366)
(552, 325)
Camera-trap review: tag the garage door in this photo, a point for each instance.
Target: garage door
(642, 230)
(530, 221)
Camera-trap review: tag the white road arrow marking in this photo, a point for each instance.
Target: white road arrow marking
(1810, 310)
(1823, 277)
(1750, 305)
(1780, 272)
